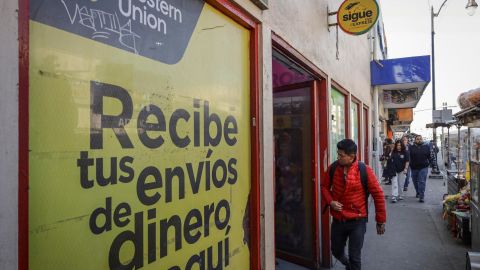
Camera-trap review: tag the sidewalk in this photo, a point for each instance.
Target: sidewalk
(416, 236)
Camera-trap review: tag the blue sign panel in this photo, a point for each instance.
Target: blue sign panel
(159, 30)
(401, 70)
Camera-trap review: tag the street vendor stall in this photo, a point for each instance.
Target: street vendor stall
(470, 117)
(462, 207)
(457, 204)
(456, 158)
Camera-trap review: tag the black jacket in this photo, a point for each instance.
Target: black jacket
(389, 170)
(419, 156)
(400, 159)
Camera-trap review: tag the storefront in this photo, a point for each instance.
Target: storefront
(134, 152)
(299, 126)
(174, 134)
(462, 205)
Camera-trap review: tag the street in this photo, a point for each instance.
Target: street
(416, 235)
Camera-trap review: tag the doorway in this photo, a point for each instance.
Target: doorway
(295, 122)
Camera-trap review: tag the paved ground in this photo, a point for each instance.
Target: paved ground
(416, 236)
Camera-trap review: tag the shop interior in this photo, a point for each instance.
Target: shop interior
(294, 203)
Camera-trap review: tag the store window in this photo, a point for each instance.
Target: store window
(287, 72)
(338, 131)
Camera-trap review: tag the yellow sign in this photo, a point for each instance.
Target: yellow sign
(135, 162)
(356, 17)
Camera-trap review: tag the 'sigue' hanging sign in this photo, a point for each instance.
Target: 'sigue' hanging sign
(356, 17)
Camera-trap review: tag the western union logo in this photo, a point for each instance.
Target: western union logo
(356, 17)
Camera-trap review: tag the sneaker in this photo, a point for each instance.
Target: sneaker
(394, 199)
(405, 189)
(421, 200)
(388, 183)
(400, 198)
(417, 196)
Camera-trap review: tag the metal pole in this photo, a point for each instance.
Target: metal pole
(433, 59)
(448, 148)
(434, 133)
(458, 151)
(376, 132)
(442, 141)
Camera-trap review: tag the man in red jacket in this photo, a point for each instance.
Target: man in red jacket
(348, 204)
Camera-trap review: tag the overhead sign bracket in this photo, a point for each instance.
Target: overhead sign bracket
(329, 14)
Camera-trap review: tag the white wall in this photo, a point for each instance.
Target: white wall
(267, 186)
(8, 134)
(303, 24)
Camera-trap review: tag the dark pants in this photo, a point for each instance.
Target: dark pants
(353, 231)
(419, 179)
(407, 179)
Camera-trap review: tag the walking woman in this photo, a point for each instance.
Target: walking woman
(388, 171)
(400, 160)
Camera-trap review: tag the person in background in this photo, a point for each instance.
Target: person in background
(407, 177)
(347, 198)
(387, 172)
(433, 151)
(420, 159)
(400, 159)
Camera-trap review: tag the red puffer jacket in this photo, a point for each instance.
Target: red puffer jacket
(350, 193)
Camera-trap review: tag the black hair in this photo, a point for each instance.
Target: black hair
(403, 148)
(348, 146)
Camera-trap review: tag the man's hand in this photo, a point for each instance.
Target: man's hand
(380, 228)
(337, 206)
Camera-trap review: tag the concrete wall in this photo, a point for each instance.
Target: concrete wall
(8, 134)
(303, 24)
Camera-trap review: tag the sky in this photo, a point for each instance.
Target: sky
(457, 48)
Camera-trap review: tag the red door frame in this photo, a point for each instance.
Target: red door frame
(323, 114)
(316, 160)
(228, 8)
(321, 129)
(23, 130)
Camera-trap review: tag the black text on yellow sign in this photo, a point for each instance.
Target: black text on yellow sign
(198, 176)
(356, 17)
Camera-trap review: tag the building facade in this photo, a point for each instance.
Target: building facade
(176, 134)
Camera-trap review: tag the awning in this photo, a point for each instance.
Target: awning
(469, 117)
(403, 80)
(400, 128)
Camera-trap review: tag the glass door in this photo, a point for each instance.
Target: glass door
(296, 195)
